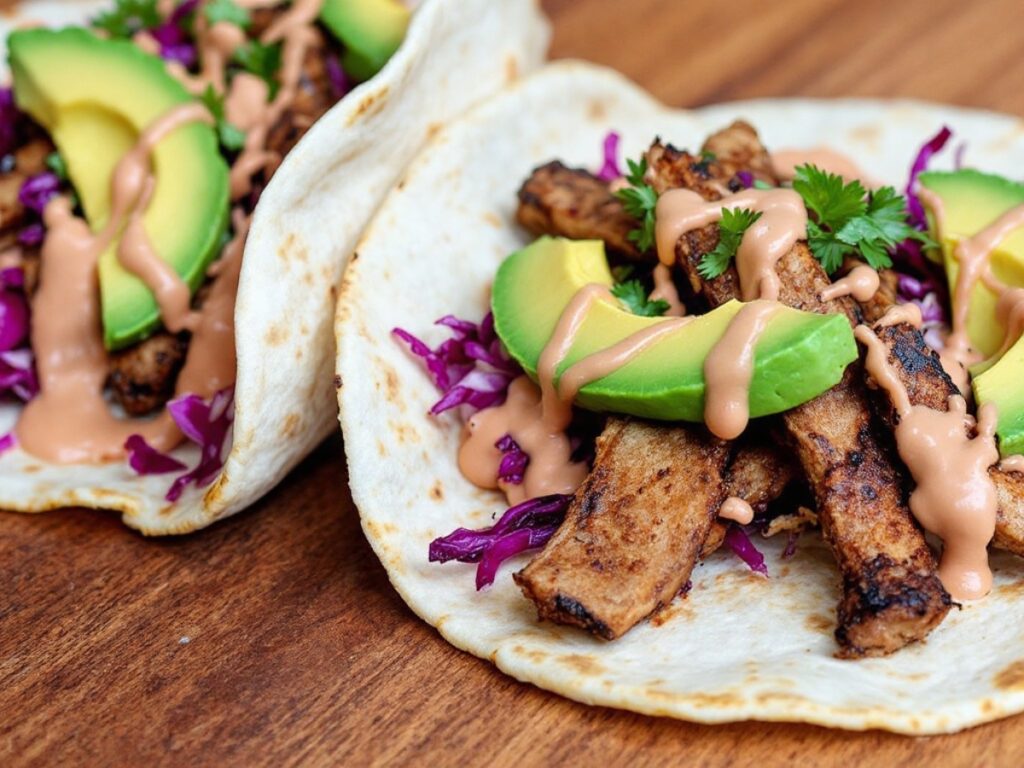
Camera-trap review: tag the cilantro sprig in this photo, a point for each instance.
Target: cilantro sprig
(231, 137)
(634, 296)
(262, 60)
(227, 10)
(732, 226)
(126, 18)
(846, 219)
(640, 201)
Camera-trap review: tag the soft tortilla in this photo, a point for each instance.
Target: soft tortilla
(305, 227)
(738, 647)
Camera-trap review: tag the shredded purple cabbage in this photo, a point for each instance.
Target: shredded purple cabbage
(6, 442)
(746, 178)
(17, 365)
(38, 190)
(791, 541)
(744, 548)
(471, 368)
(32, 236)
(915, 209)
(610, 170)
(513, 461)
(174, 36)
(340, 82)
(10, 122)
(207, 424)
(521, 528)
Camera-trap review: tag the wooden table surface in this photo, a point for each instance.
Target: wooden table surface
(274, 637)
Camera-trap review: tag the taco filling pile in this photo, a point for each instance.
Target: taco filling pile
(705, 344)
(134, 152)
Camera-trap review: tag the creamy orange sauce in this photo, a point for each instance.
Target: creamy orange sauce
(973, 255)
(897, 314)
(862, 283)
(737, 510)
(786, 161)
(665, 290)
(132, 187)
(551, 469)
(729, 368)
(607, 361)
(954, 496)
(1013, 463)
(783, 222)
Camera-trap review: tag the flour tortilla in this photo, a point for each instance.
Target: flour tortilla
(304, 229)
(738, 647)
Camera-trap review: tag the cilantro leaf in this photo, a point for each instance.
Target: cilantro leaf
(126, 18)
(231, 138)
(226, 10)
(262, 60)
(847, 220)
(827, 196)
(640, 201)
(732, 226)
(56, 163)
(634, 296)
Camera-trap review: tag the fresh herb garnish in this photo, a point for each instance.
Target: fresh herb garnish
(262, 60)
(127, 18)
(759, 184)
(55, 163)
(231, 138)
(847, 219)
(634, 296)
(733, 224)
(640, 201)
(622, 272)
(226, 10)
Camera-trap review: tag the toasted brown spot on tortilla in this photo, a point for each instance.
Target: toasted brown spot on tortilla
(437, 491)
(818, 622)
(511, 69)
(432, 130)
(284, 250)
(213, 496)
(987, 706)
(1013, 589)
(405, 433)
(370, 105)
(391, 385)
(31, 469)
(583, 663)
(276, 335)
(1011, 677)
(533, 654)
(493, 219)
(867, 134)
(290, 426)
(596, 111)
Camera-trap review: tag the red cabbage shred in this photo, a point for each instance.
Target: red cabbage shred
(205, 423)
(521, 528)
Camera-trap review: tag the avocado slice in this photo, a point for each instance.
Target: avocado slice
(370, 30)
(1000, 386)
(799, 356)
(971, 200)
(95, 96)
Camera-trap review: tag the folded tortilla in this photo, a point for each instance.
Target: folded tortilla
(303, 231)
(738, 646)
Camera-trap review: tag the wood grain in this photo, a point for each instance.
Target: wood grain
(274, 638)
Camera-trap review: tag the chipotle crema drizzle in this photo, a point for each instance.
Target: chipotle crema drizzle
(70, 420)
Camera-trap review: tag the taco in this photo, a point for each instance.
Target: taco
(184, 180)
(685, 418)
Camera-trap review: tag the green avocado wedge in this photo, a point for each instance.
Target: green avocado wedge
(798, 357)
(370, 30)
(94, 96)
(1000, 385)
(971, 200)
